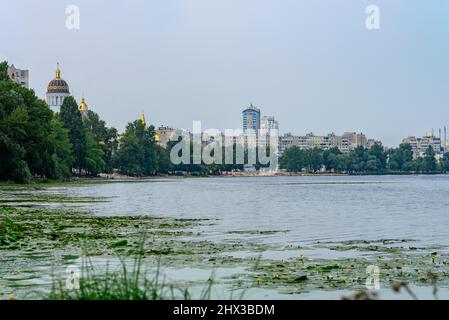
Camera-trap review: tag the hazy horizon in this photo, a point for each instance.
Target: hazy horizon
(312, 65)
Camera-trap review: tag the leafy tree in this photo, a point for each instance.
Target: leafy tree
(445, 163)
(293, 159)
(164, 164)
(26, 147)
(399, 157)
(130, 156)
(430, 163)
(377, 158)
(330, 158)
(71, 118)
(138, 153)
(146, 136)
(313, 160)
(373, 164)
(4, 71)
(93, 162)
(344, 164)
(412, 166)
(62, 157)
(106, 137)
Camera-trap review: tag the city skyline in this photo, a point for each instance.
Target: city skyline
(293, 60)
(21, 77)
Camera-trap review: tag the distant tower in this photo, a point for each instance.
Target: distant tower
(445, 141)
(57, 90)
(83, 107)
(251, 119)
(269, 123)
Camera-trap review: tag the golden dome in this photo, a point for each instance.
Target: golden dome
(142, 118)
(83, 105)
(157, 137)
(58, 85)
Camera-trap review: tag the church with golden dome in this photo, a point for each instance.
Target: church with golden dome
(57, 90)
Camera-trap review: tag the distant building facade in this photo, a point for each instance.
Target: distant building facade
(345, 143)
(356, 139)
(420, 145)
(19, 76)
(269, 123)
(163, 135)
(251, 119)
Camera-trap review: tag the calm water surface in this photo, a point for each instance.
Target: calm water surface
(308, 209)
(301, 211)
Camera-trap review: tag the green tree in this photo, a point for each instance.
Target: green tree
(93, 161)
(130, 156)
(445, 163)
(107, 138)
(399, 157)
(71, 118)
(4, 71)
(292, 159)
(146, 136)
(164, 164)
(377, 158)
(138, 153)
(330, 158)
(62, 157)
(313, 159)
(430, 163)
(25, 132)
(344, 164)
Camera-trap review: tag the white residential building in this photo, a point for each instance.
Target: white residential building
(419, 145)
(345, 143)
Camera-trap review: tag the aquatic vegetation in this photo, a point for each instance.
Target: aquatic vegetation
(34, 239)
(67, 235)
(33, 236)
(296, 275)
(42, 184)
(267, 232)
(17, 198)
(40, 229)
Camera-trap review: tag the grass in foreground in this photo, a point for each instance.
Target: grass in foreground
(126, 284)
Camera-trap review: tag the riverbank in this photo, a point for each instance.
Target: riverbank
(105, 178)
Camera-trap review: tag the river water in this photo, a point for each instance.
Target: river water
(286, 211)
(308, 209)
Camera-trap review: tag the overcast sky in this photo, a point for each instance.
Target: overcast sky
(311, 64)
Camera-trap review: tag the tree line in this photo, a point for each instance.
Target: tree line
(35, 142)
(362, 160)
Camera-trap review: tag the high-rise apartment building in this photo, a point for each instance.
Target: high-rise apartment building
(251, 119)
(419, 145)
